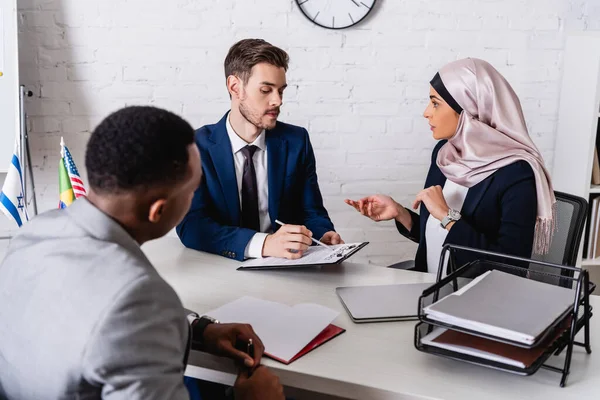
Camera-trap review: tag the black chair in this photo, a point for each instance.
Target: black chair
(571, 212)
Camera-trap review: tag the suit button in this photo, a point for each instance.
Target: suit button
(233, 255)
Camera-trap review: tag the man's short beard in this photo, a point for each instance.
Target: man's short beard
(252, 118)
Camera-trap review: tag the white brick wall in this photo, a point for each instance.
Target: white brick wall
(359, 91)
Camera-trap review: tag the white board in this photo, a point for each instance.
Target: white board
(9, 82)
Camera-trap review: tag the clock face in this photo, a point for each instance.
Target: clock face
(335, 14)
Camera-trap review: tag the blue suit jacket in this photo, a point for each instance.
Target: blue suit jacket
(213, 221)
(499, 214)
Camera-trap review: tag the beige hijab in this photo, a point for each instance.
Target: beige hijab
(492, 134)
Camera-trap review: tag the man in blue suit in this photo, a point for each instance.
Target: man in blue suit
(257, 170)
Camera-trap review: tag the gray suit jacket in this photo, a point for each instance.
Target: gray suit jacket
(84, 315)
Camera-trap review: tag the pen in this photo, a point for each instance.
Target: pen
(250, 352)
(313, 239)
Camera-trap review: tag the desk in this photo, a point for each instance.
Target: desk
(369, 361)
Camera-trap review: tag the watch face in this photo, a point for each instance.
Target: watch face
(335, 14)
(455, 215)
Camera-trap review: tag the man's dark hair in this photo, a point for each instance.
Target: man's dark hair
(246, 53)
(138, 147)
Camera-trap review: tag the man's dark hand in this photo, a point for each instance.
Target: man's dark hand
(261, 385)
(221, 340)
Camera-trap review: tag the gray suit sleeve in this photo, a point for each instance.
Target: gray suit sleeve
(137, 349)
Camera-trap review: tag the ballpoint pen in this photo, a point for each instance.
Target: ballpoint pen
(250, 351)
(313, 239)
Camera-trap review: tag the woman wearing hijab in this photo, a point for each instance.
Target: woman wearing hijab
(487, 186)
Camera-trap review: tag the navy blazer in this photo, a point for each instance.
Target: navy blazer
(213, 221)
(499, 214)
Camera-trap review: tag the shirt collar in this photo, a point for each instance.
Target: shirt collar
(101, 226)
(237, 143)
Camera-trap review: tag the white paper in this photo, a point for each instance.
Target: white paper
(314, 255)
(481, 327)
(284, 330)
(473, 325)
(476, 326)
(429, 340)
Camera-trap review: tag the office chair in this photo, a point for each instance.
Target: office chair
(571, 212)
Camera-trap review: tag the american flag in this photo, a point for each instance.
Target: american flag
(76, 182)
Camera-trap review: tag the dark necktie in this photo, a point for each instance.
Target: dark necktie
(250, 217)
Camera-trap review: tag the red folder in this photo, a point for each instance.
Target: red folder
(326, 335)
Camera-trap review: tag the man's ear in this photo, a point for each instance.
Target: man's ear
(156, 210)
(234, 86)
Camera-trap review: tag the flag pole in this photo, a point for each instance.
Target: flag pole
(22, 139)
(25, 152)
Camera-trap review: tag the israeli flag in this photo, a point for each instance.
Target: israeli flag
(12, 202)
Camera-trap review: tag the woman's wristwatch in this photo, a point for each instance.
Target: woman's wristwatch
(453, 215)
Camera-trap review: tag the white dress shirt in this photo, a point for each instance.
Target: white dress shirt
(435, 235)
(255, 245)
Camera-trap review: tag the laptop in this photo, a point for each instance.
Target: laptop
(382, 303)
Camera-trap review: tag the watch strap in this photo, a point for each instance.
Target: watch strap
(198, 327)
(453, 215)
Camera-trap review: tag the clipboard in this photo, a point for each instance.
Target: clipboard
(319, 255)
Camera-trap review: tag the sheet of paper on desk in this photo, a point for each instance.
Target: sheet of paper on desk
(284, 330)
(316, 255)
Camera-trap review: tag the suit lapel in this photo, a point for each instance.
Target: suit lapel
(276, 162)
(474, 196)
(435, 177)
(222, 158)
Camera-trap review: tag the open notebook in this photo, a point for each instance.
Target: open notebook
(314, 256)
(287, 332)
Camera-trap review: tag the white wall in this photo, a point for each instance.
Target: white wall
(359, 91)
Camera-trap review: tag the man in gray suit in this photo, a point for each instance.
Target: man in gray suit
(83, 313)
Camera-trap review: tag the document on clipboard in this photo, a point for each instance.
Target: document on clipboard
(314, 256)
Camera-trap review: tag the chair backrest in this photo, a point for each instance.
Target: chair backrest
(571, 212)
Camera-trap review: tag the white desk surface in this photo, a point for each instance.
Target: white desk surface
(369, 361)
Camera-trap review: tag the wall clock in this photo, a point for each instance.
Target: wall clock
(336, 14)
